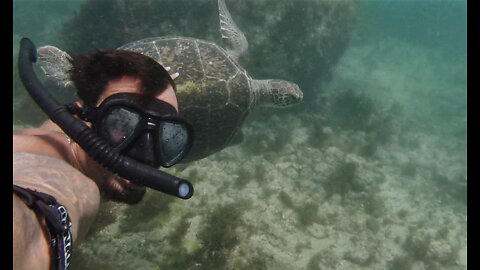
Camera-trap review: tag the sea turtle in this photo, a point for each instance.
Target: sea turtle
(214, 92)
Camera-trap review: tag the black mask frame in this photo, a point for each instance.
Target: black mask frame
(153, 114)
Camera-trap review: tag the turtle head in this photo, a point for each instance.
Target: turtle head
(276, 93)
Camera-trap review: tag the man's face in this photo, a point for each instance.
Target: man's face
(111, 185)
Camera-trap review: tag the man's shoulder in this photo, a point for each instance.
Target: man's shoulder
(41, 141)
(33, 168)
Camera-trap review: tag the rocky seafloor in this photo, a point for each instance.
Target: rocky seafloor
(372, 178)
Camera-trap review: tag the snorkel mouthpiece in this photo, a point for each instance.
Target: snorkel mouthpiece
(90, 142)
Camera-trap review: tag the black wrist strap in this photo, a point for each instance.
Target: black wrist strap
(58, 223)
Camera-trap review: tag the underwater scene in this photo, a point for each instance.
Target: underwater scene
(367, 172)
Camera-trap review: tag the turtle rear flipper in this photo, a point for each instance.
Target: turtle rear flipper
(231, 32)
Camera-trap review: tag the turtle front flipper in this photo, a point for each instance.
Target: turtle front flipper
(55, 64)
(231, 32)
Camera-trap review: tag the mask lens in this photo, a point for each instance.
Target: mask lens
(119, 124)
(174, 138)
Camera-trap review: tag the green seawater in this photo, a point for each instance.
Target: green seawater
(369, 172)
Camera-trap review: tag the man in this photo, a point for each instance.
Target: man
(46, 160)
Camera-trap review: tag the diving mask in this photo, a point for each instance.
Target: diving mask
(143, 128)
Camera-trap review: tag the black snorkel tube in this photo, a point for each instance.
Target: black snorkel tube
(90, 142)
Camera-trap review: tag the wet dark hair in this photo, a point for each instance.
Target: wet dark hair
(91, 72)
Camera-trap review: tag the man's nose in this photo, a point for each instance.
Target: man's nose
(143, 149)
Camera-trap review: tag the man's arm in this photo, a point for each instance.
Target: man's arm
(53, 176)
(30, 245)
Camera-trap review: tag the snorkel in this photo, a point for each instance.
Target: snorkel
(88, 140)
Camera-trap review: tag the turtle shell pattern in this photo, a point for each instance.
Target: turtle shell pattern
(214, 93)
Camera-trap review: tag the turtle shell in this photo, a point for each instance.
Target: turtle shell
(214, 93)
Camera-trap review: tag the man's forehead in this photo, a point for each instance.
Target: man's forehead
(132, 84)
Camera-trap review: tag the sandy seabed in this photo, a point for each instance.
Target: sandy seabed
(302, 194)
